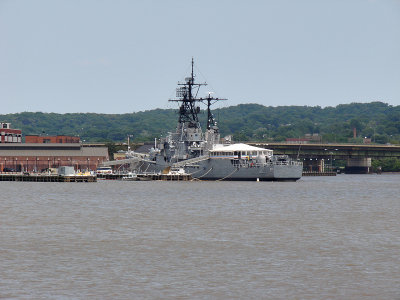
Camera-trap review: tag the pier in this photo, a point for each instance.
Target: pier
(308, 173)
(46, 178)
(149, 176)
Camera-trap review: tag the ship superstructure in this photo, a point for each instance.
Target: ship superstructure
(189, 140)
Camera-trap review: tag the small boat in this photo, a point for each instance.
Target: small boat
(104, 171)
(130, 177)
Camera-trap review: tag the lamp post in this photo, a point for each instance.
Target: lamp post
(331, 159)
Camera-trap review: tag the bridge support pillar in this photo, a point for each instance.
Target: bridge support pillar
(314, 165)
(358, 166)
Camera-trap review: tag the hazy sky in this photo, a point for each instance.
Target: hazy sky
(125, 56)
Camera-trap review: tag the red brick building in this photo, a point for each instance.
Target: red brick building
(40, 153)
(35, 157)
(62, 139)
(8, 135)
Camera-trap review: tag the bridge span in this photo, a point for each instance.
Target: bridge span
(337, 151)
(316, 156)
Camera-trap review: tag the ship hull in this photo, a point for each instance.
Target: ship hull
(224, 169)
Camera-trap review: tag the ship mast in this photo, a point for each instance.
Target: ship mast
(210, 117)
(188, 111)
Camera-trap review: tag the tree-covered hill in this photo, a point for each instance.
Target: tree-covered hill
(378, 121)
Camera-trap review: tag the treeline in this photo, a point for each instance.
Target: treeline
(378, 121)
(386, 165)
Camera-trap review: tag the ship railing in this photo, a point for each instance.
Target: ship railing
(287, 163)
(252, 164)
(246, 164)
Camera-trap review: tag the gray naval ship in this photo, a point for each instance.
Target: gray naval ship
(202, 155)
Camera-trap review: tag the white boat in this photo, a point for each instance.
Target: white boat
(130, 177)
(104, 170)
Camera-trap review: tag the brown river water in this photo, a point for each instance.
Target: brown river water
(318, 238)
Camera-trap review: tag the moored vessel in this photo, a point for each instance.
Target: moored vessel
(203, 156)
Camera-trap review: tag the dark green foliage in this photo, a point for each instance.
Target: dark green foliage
(386, 165)
(378, 121)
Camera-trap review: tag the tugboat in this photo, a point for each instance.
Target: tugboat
(202, 155)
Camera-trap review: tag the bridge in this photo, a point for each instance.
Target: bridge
(357, 157)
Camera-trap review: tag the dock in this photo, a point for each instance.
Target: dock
(149, 176)
(166, 177)
(46, 178)
(307, 173)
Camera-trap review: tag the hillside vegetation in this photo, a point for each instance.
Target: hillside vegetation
(378, 121)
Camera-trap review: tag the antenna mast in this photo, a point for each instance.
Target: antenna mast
(188, 111)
